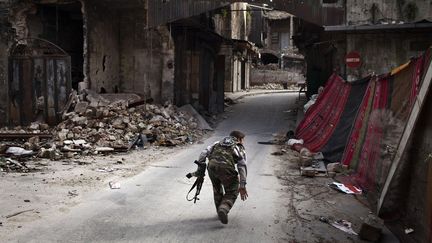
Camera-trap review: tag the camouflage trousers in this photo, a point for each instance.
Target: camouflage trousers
(225, 185)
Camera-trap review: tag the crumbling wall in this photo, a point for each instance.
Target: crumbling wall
(380, 11)
(239, 21)
(103, 47)
(146, 58)
(381, 52)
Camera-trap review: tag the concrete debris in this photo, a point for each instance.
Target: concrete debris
(276, 86)
(96, 123)
(114, 185)
(334, 167)
(9, 165)
(315, 168)
(201, 122)
(17, 151)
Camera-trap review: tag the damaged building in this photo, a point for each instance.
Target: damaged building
(280, 60)
(51, 47)
(56, 46)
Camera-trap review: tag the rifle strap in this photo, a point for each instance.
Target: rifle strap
(193, 186)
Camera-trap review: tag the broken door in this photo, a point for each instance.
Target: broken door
(40, 82)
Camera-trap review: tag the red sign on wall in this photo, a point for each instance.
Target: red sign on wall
(353, 59)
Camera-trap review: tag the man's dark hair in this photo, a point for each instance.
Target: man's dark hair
(237, 134)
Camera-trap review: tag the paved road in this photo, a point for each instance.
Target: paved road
(151, 207)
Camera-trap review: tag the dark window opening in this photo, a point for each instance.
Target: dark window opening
(268, 58)
(63, 25)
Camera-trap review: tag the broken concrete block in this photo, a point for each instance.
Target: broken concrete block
(62, 135)
(17, 151)
(81, 107)
(47, 153)
(43, 126)
(157, 118)
(34, 126)
(96, 99)
(334, 167)
(34, 140)
(80, 120)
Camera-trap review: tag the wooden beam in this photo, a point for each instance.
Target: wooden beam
(407, 134)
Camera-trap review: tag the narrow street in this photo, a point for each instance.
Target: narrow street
(151, 207)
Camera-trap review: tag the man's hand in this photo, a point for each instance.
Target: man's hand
(243, 193)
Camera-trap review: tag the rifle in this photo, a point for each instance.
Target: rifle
(200, 173)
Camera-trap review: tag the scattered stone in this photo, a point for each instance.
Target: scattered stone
(334, 167)
(81, 107)
(114, 185)
(107, 124)
(17, 151)
(104, 149)
(26, 200)
(34, 126)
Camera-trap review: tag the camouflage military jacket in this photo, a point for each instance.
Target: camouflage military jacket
(228, 152)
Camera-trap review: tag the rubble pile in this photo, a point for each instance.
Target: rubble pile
(93, 125)
(275, 86)
(116, 126)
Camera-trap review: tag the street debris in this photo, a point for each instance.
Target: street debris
(101, 124)
(73, 193)
(341, 224)
(114, 185)
(292, 141)
(315, 168)
(275, 86)
(17, 151)
(8, 165)
(107, 170)
(345, 188)
(18, 213)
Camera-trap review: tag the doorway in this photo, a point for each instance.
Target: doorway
(62, 24)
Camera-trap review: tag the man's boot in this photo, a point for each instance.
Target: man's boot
(223, 216)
